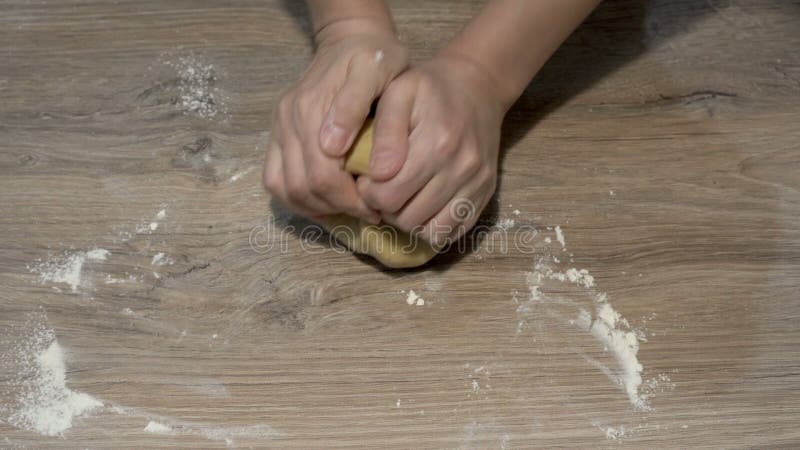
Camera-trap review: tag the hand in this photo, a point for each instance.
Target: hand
(434, 159)
(317, 119)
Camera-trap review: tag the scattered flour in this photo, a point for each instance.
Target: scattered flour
(157, 428)
(196, 81)
(613, 433)
(413, 299)
(608, 327)
(506, 223)
(67, 268)
(154, 224)
(516, 212)
(560, 237)
(44, 403)
(159, 259)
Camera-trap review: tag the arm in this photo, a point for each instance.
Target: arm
(353, 13)
(512, 39)
(437, 127)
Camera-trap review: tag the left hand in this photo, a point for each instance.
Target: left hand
(435, 151)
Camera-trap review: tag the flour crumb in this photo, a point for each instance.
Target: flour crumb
(157, 428)
(412, 297)
(547, 240)
(506, 223)
(516, 212)
(612, 193)
(560, 237)
(160, 259)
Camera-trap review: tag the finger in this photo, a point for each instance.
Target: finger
(365, 80)
(392, 126)
(424, 205)
(274, 182)
(455, 219)
(390, 196)
(296, 181)
(338, 189)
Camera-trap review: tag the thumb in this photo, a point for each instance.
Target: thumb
(365, 81)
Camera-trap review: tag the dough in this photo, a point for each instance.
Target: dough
(391, 247)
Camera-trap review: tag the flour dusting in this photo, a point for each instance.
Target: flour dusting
(157, 428)
(196, 86)
(42, 401)
(68, 267)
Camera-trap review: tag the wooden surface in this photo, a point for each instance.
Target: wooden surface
(664, 139)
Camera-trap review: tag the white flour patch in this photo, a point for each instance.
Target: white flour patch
(67, 268)
(413, 299)
(505, 223)
(42, 402)
(160, 259)
(157, 428)
(560, 237)
(196, 86)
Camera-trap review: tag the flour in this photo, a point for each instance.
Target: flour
(607, 326)
(67, 268)
(160, 259)
(506, 223)
(44, 404)
(196, 85)
(413, 299)
(560, 237)
(157, 428)
(148, 228)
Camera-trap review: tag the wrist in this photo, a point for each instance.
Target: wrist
(479, 74)
(341, 28)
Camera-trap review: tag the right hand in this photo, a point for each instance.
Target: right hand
(318, 117)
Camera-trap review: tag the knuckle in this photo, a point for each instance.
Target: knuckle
(446, 141)
(285, 105)
(470, 163)
(319, 182)
(297, 192)
(386, 202)
(406, 223)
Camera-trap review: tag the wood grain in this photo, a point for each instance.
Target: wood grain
(687, 111)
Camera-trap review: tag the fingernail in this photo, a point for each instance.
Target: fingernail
(373, 219)
(334, 138)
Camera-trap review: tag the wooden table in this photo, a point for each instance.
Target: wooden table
(663, 139)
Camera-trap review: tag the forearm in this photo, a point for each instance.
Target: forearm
(331, 18)
(512, 39)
